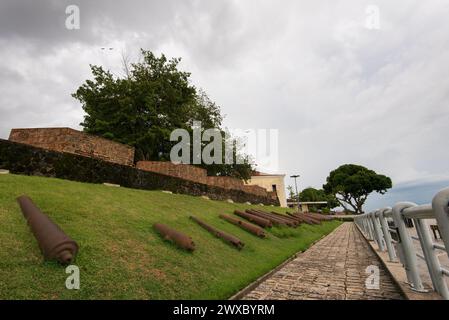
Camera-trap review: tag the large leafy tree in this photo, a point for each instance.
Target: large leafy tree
(351, 184)
(312, 194)
(142, 108)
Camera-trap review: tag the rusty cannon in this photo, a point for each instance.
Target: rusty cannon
(318, 221)
(298, 218)
(220, 234)
(244, 225)
(274, 220)
(303, 218)
(181, 240)
(53, 242)
(262, 222)
(286, 220)
(320, 216)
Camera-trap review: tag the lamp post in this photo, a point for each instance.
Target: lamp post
(296, 187)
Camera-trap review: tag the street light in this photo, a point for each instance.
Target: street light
(296, 187)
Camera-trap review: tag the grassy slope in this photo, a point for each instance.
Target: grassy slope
(121, 256)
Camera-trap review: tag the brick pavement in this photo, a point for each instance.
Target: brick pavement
(333, 268)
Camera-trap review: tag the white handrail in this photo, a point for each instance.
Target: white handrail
(419, 212)
(374, 225)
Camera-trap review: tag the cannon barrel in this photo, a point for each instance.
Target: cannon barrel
(308, 216)
(220, 234)
(274, 220)
(282, 218)
(286, 217)
(262, 222)
(244, 225)
(303, 218)
(52, 241)
(177, 237)
(320, 216)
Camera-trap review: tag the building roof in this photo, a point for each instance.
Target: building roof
(263, 174)
(307, 202)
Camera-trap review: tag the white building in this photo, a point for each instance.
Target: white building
(271, 182)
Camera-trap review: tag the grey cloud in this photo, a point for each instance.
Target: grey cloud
(419, 192)
(8, 74)
(43, 22)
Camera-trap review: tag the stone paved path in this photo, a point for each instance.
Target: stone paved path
(334, 268)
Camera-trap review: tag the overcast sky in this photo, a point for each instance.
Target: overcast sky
(337, 89)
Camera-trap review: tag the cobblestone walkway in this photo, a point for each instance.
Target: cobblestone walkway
(333, 268)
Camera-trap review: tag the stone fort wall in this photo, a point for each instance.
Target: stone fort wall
(20, 158)
(71, 141)
(195, 174)
(75, 142)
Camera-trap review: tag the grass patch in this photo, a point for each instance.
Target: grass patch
(121, 256)
(283, 232)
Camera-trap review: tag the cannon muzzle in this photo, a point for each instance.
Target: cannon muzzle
(177, 237)
(53, 242)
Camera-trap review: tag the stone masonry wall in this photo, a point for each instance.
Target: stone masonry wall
(75, 142)
(199, 175)
(21, 158)
(71, 141)
(183, 171)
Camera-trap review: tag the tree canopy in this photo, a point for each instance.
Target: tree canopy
(312, 194)
(351, 184)
(142, 108)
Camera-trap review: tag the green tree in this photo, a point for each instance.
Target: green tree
(142, 108)
(351, 184)
(242, 170)
(312, 194)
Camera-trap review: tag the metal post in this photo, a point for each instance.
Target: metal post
(405, 241)
(359, 222)
(387, 235)
(296, 187)
(363, 224)
(381, 233)
(370, 227)
(377, 231)
(440, 206)
(433, 264)
(365, 227)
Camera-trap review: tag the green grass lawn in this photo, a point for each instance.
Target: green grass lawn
(121, 256)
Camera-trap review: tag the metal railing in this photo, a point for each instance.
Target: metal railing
(388, 228)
